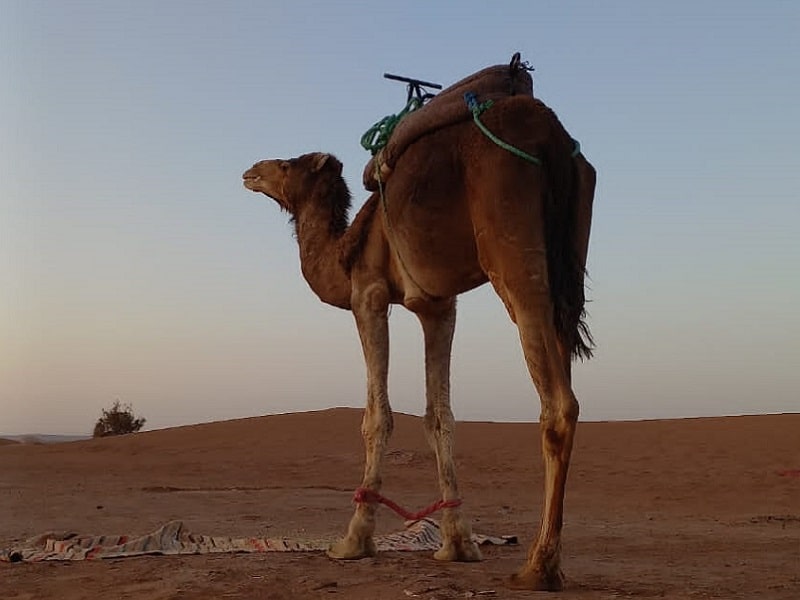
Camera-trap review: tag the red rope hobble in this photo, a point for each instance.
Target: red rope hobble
(363, 495)
(789, 473)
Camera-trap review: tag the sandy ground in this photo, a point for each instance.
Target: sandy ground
(701, 508)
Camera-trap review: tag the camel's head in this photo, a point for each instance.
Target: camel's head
(291, 182)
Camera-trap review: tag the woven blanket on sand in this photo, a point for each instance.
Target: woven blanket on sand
(175, 538)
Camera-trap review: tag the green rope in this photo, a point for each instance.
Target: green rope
(377, 136)
(477, 109)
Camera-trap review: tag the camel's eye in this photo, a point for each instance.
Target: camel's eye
(285, 165)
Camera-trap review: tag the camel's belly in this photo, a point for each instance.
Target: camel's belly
(435, 248)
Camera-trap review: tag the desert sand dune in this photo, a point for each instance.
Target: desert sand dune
(697, 508)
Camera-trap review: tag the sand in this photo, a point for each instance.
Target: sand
(699, 508)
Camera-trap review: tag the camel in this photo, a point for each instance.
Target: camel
(458, 211)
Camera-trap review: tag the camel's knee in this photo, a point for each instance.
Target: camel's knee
(431, 424)
(438, 421)
(378, 423)
(561, 407)
(437, 429)
(558, 421)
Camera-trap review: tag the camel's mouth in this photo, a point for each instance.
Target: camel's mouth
(256, 183)
(262, 180)
(250, 181)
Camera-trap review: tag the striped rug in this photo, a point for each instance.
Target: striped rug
(175, 538)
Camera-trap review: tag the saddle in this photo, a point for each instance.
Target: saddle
(445, 109)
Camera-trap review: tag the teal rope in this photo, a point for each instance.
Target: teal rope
(377, 136)
(477, 109)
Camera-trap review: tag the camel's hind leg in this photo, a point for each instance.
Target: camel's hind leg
(438, 323)
(370, 308)
(559, 416)
(513, 254)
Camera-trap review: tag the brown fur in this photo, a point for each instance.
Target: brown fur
(355, 238)
(457, 211)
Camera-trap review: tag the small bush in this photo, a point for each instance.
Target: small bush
(117, 420)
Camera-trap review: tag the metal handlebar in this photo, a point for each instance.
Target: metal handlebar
(415, 86)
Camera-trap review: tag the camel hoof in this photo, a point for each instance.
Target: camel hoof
(352, 549)
(537, 581)
(459, 552)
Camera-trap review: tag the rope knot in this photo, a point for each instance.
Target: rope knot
(475, 107)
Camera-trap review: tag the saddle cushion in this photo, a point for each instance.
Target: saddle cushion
(447, 108)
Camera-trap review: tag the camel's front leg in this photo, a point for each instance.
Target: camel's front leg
(438, 324)
(370, 308)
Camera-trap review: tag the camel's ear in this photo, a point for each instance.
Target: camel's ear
(321, 159)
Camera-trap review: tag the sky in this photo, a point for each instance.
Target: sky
(135, 267)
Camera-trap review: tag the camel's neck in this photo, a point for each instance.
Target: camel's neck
(320, 256)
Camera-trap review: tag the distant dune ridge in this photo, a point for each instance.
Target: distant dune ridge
(40, 438)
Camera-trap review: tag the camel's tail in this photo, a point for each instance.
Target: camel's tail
(568, 216)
